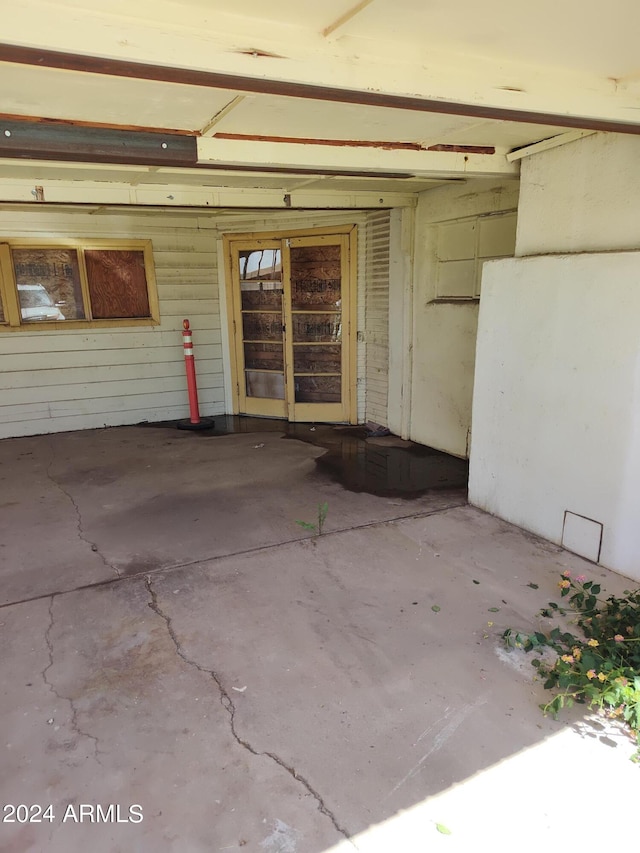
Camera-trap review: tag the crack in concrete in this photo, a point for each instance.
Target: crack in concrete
(227, 703)
(74, 711)
(216, 557)
(79, 523)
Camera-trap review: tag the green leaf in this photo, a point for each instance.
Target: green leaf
(306, 524)
(476, 581)
(533, 585)
(494, 610)
(443, 829)
(435, 608)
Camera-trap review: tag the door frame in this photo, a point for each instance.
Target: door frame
(350, 232)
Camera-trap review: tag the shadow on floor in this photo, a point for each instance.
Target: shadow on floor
(386, 466)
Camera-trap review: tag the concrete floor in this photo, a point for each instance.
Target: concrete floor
(172, 639)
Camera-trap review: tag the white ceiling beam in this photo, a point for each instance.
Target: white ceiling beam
(547, 144)
(288, 155)
(214, 120)
(449, 79)
(115, 193)
(348, 16)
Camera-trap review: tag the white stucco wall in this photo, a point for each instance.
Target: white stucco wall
(556, 418)
(444, 332)
(581, 197)
(556, 407)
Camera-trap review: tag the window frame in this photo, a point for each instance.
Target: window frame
(13, 321)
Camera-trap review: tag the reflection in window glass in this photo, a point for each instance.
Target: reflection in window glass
(48, 283)
(315, 278)
(260, 265)
(269, 385)
(317, 327)
(262, 327)
(261, 280)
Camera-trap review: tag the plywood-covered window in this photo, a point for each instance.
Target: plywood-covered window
(97, 284)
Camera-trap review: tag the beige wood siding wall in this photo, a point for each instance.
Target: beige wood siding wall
(51, 381)
(377, 316)
(58, 380)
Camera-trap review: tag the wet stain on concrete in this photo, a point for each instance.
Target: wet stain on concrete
(386, 466)
(139, 566)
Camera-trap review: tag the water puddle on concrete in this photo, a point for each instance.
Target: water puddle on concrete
(386, 466)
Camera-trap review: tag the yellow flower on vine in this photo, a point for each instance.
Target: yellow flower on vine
(593, 642)
(577, 654)
(591, 674)
(602, 676)
(567, 658)
(565, 584)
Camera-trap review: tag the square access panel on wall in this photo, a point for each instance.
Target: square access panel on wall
(582, 536)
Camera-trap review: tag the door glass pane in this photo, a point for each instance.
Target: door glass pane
(260, 273)
(262, 326)
(265, 384)
(316, 302)
(263, 357)
(317, 327)
(315, 278)
(321, 358)
(261, 280)
(318, 389)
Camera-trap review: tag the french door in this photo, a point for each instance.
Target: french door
(291, 330)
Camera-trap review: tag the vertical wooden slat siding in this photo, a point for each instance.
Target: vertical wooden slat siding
(62, 380)
(377, 316)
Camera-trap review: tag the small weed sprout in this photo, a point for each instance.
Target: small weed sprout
(316, 527)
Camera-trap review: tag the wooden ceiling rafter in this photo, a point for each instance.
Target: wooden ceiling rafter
(86, 63)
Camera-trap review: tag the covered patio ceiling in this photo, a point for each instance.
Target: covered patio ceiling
(292, 99)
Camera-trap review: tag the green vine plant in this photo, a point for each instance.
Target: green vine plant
(601, 668)
(316, 527)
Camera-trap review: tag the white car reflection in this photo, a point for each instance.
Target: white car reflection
(36, 304)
